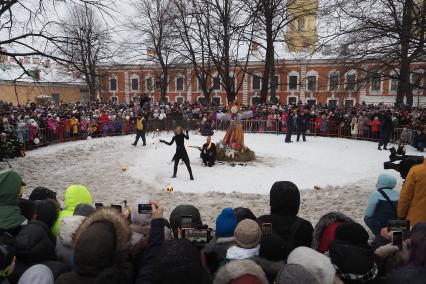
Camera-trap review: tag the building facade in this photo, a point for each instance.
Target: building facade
(309, 81)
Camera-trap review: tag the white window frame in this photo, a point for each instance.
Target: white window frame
(220, 99)
(370, 81)
(277, 88)
(183, 83)
(116, 83)
(115, 97)
(333, 99)
(150, 77)
(350, 72)
(292, 96)
(311, 73)
(422, 81)
(133, 77)
(293, 73)
(392, 73)
(258, 75)
(254, 97)
(176, 98)
(333, 72)
(216, 75)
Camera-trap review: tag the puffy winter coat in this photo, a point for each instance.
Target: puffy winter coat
(75, 195)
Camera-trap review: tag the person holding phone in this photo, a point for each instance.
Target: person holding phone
(181, 153)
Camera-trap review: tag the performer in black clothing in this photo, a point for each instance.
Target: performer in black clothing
(208, 153)
(302, 122)
(180, 150)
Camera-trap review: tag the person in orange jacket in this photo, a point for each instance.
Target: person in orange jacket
(412, 200)
(375, 126)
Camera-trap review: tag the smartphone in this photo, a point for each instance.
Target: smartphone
(118, 207)
(198, 236)
(99, 205)
(186, 221)
(266, 229)
(397, 238)
(145, 209)
(398, 225)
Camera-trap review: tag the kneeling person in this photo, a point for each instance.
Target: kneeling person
(208, 153)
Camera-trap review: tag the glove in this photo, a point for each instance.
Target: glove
(386, 251)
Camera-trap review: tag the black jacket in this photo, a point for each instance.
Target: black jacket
(302, 122)
(180, 146)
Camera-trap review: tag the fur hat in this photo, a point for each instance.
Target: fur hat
(238, 271)
(316, 263)
(226, 223)
(295, 274)
(248, 234)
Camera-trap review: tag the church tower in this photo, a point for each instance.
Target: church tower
(302, 33)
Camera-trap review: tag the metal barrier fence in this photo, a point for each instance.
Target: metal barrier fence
(123, 127)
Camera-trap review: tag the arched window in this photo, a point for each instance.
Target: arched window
(256, 82)
(293, 80)
(179, 83)
(311, 81)
(393, 81)
(149, 83)
(134, 80)
(333, 81)
(350, 81)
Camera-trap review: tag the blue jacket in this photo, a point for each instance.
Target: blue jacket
(376, 198)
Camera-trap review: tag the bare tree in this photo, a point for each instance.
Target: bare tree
(380, 36)
(87, 46)
(29, 28)
(153, 39)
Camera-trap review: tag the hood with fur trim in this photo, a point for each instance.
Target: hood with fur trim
(323, 223)
(238, 268)
(119, 225)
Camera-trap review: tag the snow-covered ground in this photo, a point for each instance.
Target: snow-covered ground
(345, 170)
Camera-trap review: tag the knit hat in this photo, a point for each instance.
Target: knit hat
(42, 193)
(37, 274)
(226, 223)
(46, 211)
(386, 181)
(83, 210)
(316, 263)
(179, 261)
(185, 210)
(295, 274)
(242, 213)
(352, 233)
(248, 234)
(284, 198)
(140, 219)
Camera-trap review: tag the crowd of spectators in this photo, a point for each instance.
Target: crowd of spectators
(32, 124)
(40, 243)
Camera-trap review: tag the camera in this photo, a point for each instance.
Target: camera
(145, 209)
(405, 164)
(197, 236)
(398, 229)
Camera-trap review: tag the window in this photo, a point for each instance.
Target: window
(333, 82)
(232, 81)
(179, 100)
(203, 101)
(114, 100)
(393, 84)
(135, 84)
(276, 83)
(376, 82)
(350, 82)
(349, 103)
(255, 100)
(149, 86)
(113, 84)
(332, 102)
(292, 100)
(292, 82)
(256, 82)
(416, 80)
(179, 84)
(216, 83)
(300, 24)
(312, 83)
(200, 84)
(311, 102)
(216, 101)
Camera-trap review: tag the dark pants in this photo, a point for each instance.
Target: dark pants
(288, 135)
(140, 134)
(384, 139)
(188, 166)
(207, 160)
(373, 224)
(303, 132)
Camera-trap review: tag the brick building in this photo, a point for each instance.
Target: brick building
(319, 80)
